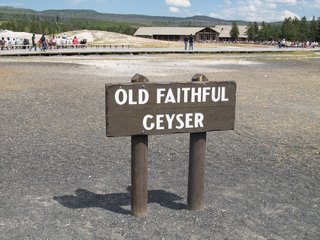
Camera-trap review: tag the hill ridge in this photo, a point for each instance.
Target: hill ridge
(137, 19)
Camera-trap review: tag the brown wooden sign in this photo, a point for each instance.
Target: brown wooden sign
(152, 108)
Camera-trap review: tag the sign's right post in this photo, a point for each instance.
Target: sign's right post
(197, 154)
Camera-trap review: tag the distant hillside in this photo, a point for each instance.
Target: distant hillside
(8, 13)
(58, 21)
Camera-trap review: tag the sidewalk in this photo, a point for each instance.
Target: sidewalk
(136, 51)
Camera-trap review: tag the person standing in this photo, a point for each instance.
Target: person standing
(33, 42)
(185, 39)
(3, 43)
(43, 43)
(190, 42)
(75, 42)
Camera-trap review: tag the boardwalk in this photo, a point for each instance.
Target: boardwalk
(136, 51)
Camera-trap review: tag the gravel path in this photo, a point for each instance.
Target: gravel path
(61, 178)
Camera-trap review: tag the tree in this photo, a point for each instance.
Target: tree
(255, 30)
(234, 32)
(303, 30)
(287, 29)
(313, 29)
(318, 31)
(275, 31)
(250, 32)
(265, 32)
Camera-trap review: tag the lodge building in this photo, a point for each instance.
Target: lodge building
(201, 34)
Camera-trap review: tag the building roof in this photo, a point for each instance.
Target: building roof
(224, 31)
(150, 31)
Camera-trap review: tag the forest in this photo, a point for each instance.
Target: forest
(53, 25)
(292, 29)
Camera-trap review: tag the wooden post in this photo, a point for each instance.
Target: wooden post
(139, 168)
(197, 153)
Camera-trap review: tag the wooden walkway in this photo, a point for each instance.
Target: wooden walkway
(104, 50)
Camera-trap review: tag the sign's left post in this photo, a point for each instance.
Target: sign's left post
(139, 168)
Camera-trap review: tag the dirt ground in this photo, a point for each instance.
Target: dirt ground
(61, 178)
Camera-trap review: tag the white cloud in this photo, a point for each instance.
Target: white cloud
(179, 3)
(258, 10)
(215, 15)
(286, 14)
(174, 9)
(271, 5)
(175, 5)
(293, 2)
(15, 4)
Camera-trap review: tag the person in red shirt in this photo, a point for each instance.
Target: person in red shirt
(75, 41)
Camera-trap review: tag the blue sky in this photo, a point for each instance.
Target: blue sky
(249, 10)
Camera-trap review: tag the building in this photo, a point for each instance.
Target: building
(201, 34)
(224, 32)
(178, 33)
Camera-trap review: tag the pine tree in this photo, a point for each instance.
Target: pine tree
(234, 32)
(313, 29)
(288, 29)
(318, 31)
(250, 32)
(264, 32)
(255, 30)
(303, 30)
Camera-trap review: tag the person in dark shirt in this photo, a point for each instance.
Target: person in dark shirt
(185, 39)
(43, 43)
(190, 42)
(33, 42)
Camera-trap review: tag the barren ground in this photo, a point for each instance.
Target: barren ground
(61, 178)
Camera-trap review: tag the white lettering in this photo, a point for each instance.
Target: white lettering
(206, 92)
(170, 120)
(178, 95)
(179, 116)
(196, 92)
(189, 120)
(185, 94)
(173, 121)
(130, 96)
(198, 120)
(160, 94)
(191, 95)
(121, 93)
(223, 95)
(214, 93)
(143, 96)
(170, 97)
(147, 126)
(159, 122)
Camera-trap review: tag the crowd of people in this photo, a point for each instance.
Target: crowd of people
(280, 43)
(12, 43)
(43, 43)
(308, 44)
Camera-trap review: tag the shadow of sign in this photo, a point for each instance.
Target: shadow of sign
(114, 202)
